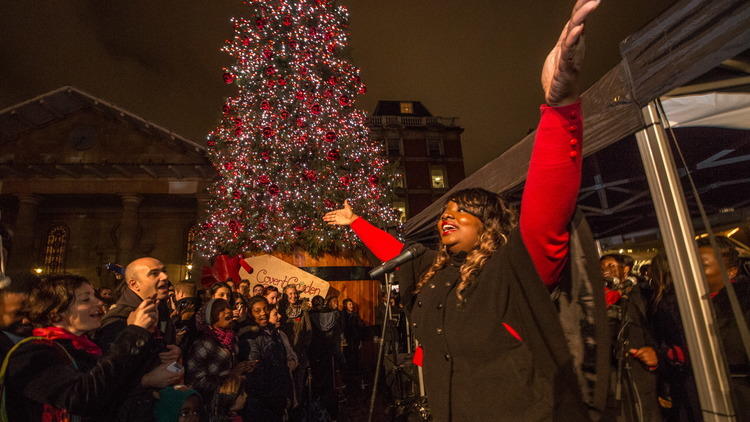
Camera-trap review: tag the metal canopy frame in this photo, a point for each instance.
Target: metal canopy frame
(706, 358)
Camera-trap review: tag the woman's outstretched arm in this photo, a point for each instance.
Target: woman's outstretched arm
(554, 176)
(379, 242)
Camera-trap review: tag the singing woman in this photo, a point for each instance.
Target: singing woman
(492, 344)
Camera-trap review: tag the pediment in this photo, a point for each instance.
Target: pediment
(70, 133)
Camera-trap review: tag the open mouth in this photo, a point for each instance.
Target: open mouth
(97, 315)
(448, 228)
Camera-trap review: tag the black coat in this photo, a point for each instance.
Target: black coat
(739, 366)
(475, 369)
(40, 372)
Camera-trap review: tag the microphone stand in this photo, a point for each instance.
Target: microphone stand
(379, 363)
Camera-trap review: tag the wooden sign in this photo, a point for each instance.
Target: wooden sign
(271, 271)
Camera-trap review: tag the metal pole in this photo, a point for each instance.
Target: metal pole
(706, 356)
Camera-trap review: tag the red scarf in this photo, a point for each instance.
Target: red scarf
(78, 342)
(225, 337)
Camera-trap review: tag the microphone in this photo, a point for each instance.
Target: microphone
(410, 252)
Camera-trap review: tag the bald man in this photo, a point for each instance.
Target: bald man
(144, 278)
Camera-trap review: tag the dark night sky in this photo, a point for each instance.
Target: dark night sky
(475, 59)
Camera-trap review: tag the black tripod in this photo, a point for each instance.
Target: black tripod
(405, 401)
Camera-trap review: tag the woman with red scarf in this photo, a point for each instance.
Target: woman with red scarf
(213, 356)
(493, 348)
(61, 375)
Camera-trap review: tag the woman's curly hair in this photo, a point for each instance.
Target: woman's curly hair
(497, 218)
(52, 297)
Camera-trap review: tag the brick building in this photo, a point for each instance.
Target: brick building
(426, 148)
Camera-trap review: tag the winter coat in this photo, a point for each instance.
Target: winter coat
(207, 365)
(676, 381)
(352, 327)
(739, 366)
(503, 349)
(268, 386)
(91, 387)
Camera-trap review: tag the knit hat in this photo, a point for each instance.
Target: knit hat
(167, 408)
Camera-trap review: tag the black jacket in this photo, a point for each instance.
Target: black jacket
(501, 355)
(40, 372)
(739, 366)
(116, 319)
(270, 378)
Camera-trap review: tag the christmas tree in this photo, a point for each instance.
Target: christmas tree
(291, 145)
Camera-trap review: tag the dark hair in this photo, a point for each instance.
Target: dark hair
(218, 285)
(217, 306)
(251, 302)
(21, 282)
(661, 278)
(52, 296)
(318, 301)
(620, 258)
(727, 249)
(498, 219)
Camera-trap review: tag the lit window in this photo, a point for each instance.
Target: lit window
(434, 147)
(400, 206)
(54, 249)
(407, 108)
(437, 174)
(394, 146)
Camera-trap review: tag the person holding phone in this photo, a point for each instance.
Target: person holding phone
(59, 373)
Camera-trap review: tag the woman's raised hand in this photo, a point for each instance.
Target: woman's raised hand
(563, 63)
(341, 217)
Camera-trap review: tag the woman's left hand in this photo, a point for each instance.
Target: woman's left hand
(561, 68)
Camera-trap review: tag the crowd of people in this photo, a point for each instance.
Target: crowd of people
(650, 348)
(158, 351)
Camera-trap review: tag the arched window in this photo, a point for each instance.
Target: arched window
(54, 249)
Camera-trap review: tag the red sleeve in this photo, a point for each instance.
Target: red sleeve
(552, 186)
(382, 244)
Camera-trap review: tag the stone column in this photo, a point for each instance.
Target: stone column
(23, 255)
(199, 261)
(128, 231)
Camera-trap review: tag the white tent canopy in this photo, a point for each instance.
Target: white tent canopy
(715, 109)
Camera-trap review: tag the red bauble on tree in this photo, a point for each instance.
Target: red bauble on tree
(264, 179)
(334, 154)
